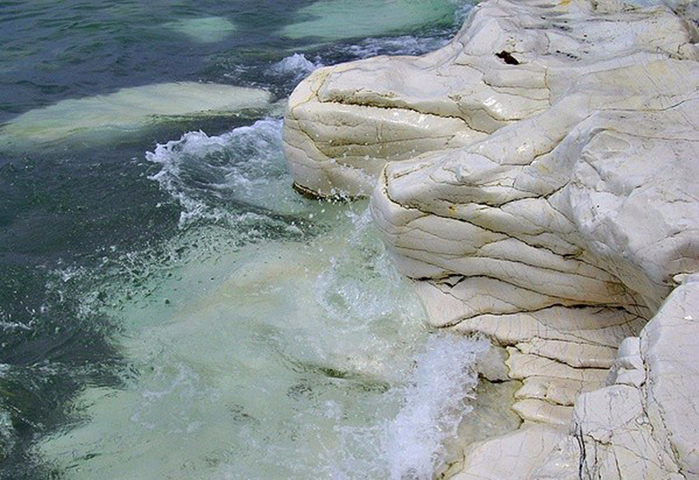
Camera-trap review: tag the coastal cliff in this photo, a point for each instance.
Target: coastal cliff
(536, 177)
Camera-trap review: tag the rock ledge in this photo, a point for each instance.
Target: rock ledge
(537, 178)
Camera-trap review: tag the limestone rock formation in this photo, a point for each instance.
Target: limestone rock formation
(643, 425)
(537, 178)
(510, 61)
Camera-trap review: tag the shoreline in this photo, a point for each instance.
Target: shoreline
(534, 177)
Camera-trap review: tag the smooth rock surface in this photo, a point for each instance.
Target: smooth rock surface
(511, 457)
(646, 424)
(457, 95)
(537, 178)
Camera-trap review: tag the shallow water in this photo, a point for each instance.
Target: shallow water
(169, 307)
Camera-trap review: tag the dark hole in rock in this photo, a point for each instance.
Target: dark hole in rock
(507, 58)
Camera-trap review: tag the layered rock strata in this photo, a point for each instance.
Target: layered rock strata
(537, 177)
(509, 62)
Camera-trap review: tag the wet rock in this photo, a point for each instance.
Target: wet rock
(536, 177)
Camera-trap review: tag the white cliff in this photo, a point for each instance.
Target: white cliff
(537, 177)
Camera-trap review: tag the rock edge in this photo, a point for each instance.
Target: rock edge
(536, 177)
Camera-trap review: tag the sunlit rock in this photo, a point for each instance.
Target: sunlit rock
(509, 62)
(537, 178)
(646, 424)
(511, 457)
(589, 235)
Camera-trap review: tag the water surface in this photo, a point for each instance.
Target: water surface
(169, 307)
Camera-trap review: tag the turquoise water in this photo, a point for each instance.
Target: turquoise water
(169, 307)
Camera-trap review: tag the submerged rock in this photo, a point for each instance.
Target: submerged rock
(128, 110)
(329, 20)
(203, 30)
(537, 175)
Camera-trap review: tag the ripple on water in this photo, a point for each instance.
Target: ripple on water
(330, 20)
(277, 360)
(269, 336)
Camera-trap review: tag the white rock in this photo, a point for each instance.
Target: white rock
(643, 427)
(512, 457)
(468, 85)
(541, 187)
(556, 390)
(669, 351)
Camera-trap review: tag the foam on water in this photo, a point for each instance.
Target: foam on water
(210, 175)
(7, 436)
(297, 66)
(280, 359)
(268, 336)
(14, 325)
(432, 399)
(295, 63)
(434, 405)
(402, 45)
(271, 338)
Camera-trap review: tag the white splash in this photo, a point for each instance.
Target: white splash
(434, 406)
(296, 66)
(295, 63)
(206, 173)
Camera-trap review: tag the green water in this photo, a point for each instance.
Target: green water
(169, 307)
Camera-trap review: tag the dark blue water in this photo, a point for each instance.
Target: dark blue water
(86, 220)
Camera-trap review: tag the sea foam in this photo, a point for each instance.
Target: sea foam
(434, 405)
(235, 177)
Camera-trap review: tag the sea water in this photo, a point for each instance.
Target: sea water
(169, 306)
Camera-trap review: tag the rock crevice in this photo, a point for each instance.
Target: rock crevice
(537, 178)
